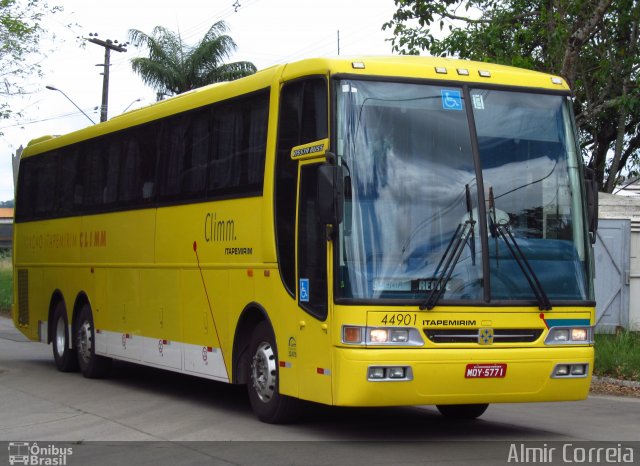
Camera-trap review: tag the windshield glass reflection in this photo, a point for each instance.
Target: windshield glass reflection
(411, 211)
(530, 169)
(408, 154)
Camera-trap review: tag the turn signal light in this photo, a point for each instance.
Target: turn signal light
(352, 334)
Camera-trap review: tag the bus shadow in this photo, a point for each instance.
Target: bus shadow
(329, 423)
(418, 423)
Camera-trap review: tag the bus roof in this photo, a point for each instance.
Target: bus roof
(396, 66)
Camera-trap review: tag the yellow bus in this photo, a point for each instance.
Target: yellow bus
(372, 232)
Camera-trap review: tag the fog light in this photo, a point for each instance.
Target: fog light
(578, 369)
(562, 369)
(376, 373)
(396, 372)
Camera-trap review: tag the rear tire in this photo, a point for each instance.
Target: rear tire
(262, 380)
(92, 365)
(462, 411)
(65, 357)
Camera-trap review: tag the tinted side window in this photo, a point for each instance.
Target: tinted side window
(239, 145)
(303, 118)
(129, 184)
(194, 173)
(113, 150)
(44, 169)
(224, 170)
(68, 168)
(26, 182)
(93, 175)
(173, 138)
(185, 142)
(137, 166)
(216, 151)
(312, 247)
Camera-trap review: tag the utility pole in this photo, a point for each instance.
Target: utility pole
(108, 45)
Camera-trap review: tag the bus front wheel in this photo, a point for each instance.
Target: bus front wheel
(92, 365)
(462, 411)
(266, 401)
(63, 355)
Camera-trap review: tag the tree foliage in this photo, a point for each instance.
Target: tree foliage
(593, 44)
(174, 67)
(20, 34)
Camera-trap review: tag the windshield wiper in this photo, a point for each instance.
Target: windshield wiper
(516, 252)
(451, 256)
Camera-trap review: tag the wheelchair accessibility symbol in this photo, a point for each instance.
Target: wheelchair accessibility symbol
(451, 99)
(304, 290)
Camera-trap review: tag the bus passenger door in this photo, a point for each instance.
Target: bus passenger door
(314, 339)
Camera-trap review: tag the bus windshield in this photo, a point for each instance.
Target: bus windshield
(412, 223)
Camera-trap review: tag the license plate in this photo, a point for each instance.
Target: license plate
(485, 371)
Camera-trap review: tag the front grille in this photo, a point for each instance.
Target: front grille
(471, 335)
(23, 297)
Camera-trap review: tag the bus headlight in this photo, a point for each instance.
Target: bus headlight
(381, 336)
(385, 335)
(569, 336)
(579, 334)
(378, 335)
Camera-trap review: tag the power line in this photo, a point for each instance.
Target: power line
(224, 14)
(54, 117)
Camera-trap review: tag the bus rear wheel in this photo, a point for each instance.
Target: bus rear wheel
(92, 365)
(462, 411)
(63, 355)
(265, 398)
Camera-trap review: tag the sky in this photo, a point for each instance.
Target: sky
(266, 32)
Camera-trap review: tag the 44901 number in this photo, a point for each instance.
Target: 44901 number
(399, 319)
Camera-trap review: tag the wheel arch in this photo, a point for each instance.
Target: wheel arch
(56, 298)
(251, 316)
(81, 300)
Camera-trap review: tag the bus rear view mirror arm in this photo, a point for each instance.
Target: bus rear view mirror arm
(591, 192)
(331, 194)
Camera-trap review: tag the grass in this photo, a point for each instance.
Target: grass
(6, 283)
(618, 355)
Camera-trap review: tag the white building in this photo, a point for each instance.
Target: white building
(618, 260)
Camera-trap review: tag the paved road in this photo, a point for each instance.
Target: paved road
(139, 404)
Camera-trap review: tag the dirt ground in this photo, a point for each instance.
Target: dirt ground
(604, 387)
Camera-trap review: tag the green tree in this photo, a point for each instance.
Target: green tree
(174, 67)
(20, 34)
(593, 44)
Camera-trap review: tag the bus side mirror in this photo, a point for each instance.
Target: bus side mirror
(331, 194)
(591, 191)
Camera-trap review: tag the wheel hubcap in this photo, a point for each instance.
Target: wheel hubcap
(263, 372)
(61, 337)
(84, 341)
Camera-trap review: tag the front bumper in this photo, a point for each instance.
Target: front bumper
(438, 376)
